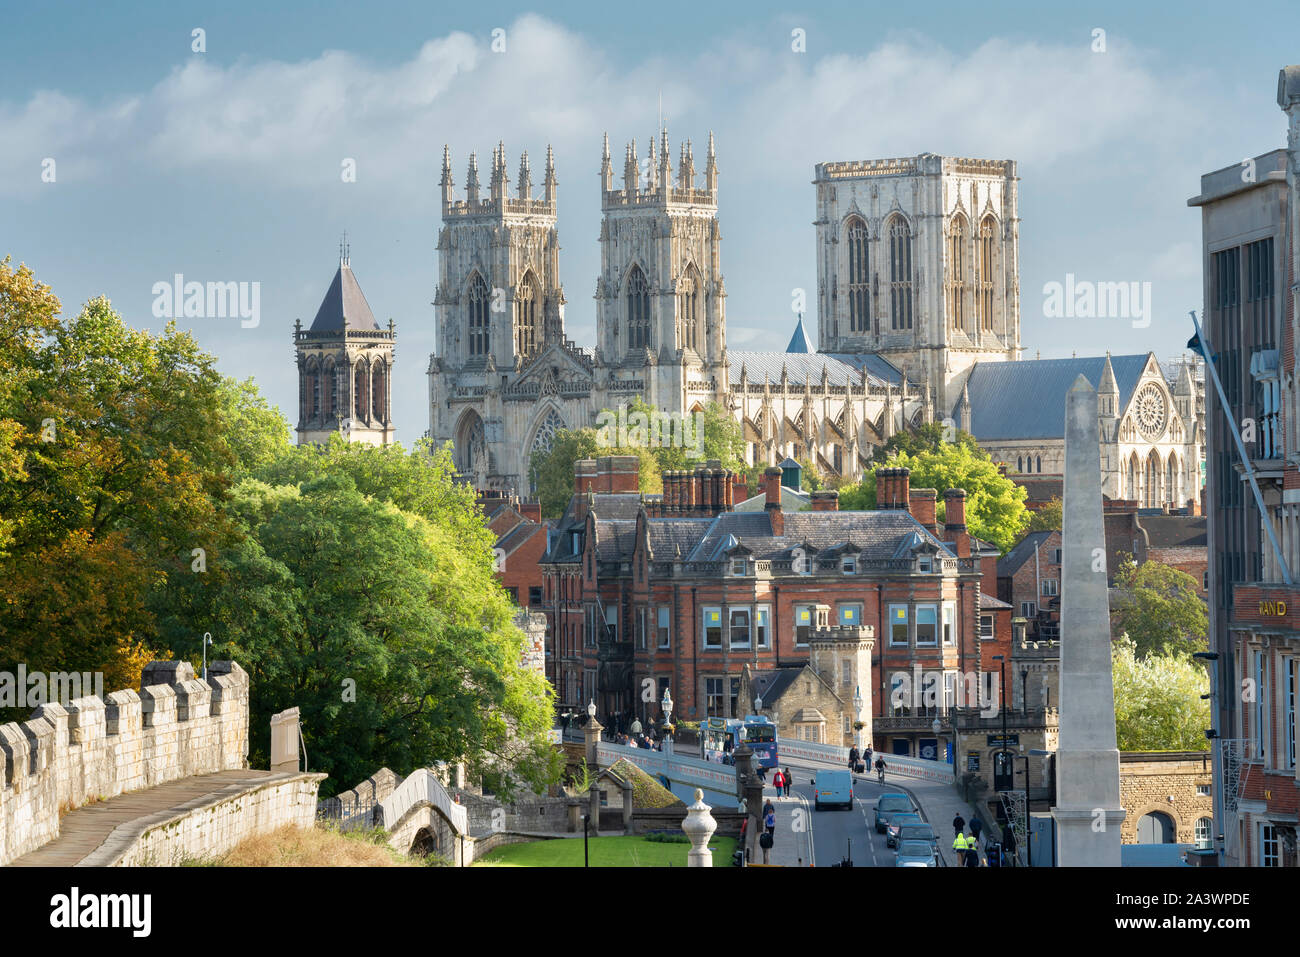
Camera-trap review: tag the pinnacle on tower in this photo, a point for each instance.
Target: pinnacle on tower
(549, 183)
(665, 161)
(525, 177)
(652, 176)
(499, 172)
(630, 170)
(606, 168)
(471, 180)
(711, 168)
(445, 182)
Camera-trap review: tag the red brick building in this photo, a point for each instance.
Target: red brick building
(683, 593)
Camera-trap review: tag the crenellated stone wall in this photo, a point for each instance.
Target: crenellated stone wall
(93, 749)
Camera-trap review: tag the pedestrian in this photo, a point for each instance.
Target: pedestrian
(787, 782)
(854, 757)
(867, 756)
(976, 825)
(778, 781)
(958, 823)
(959, 846)
(1008, 844)
(972, 854)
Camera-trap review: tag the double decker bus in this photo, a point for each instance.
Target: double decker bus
(720, 737)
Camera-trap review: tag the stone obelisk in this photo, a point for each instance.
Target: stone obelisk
(1088, 811)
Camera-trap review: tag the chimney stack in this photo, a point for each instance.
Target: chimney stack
(922, 504)
(954, 521)
(739, 489)
(826, 500)
(772, 484)
(893, 488)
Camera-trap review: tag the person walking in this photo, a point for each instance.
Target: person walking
(959, 847)
(958, 823)
(778, 781)
(976, 826)
(854, 757)
(866, 757)
(972, 853)
(769, 818)
(787, 782)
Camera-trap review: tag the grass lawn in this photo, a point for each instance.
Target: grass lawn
(622, 851)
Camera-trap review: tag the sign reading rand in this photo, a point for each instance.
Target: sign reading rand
(1272, 608)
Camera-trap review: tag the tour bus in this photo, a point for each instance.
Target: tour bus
(719, 737)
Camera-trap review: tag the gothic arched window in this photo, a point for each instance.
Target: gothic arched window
(313, 389)
(331, 389)
(361, 408)
(1038, 464)
(900, 274)
(479, 323)
(690, 319)
(527, 328)
(1020, 464)
(379, 393)
(543, 439)
(956, 284)
(637, 295)
(984, 275)
(859, 277)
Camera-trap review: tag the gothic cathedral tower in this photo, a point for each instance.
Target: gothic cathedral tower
(345, 366)
(660, 299)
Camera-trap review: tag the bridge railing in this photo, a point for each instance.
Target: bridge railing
(790, 748)
(675, 767)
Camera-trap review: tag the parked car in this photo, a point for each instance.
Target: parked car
(833, 787)
(896, 822)
(916, 854)
(918, 832)
(890, 804)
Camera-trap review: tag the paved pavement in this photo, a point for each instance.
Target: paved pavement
(116, 822)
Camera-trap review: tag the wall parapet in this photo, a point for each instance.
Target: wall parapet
(93, 749)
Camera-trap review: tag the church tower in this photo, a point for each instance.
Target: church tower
(345, 367)
(660, 298)
(499, 300)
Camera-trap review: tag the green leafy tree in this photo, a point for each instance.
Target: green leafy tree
(1158, 704)
(1158, 606)
(995, 506)
(930, 437)
(1046, 519)
(390, 634)
(256, 431)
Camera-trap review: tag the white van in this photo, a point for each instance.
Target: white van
(833, 787)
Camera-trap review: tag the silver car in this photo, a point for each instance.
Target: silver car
(915, 854)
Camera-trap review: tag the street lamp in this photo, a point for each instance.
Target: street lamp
(585, 819)
(1002, 680)
(857, 716)
(758, 704)
(207, 640)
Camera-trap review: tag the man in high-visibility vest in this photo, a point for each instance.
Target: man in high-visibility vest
(960, 845)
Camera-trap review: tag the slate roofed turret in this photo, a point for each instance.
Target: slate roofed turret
(344, 307)
(799, 341)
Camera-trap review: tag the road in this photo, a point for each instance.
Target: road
(834, 832)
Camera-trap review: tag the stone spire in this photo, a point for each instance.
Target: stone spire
(1108, 391)
(630, 172)
(1088, 811)
(446, 181)
(471, 180)
(964, 405)
(525, 177)
(549, 183)
(653, 167)
(665, 160)
(711, 168)
(499, 173)
(606, 168)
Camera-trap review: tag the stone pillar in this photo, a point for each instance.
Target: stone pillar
(699, 827)
(284, 741)
(749, 788)
(627, 807)
(1088, 812)
(593, 807)
(592, 736)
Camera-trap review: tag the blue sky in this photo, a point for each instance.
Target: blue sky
(225, 165)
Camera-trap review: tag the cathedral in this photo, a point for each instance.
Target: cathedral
(918, 320)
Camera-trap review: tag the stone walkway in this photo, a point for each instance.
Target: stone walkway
(109, 827)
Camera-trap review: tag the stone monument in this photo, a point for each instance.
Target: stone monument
(1088, 811)
(699, 827)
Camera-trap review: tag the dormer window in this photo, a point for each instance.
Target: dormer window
(738, 566)
(849, 564)
(924, 564)
(576, 542)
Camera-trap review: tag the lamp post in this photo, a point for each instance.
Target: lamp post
(936, 725)
(1024, 690)
(207, 640)
(666, 704)
(1216, 838)
(1002, 706)
(1029, 837)
(585, 861)
(857, 717)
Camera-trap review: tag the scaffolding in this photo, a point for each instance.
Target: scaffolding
(1015, 805)
(1232, 758)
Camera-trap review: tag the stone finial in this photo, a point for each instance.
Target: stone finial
(699, 826)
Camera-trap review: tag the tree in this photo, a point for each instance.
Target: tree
(929, 437)
(1046, 519)
(1158, 704)
(995, 506)
(255, 430)
(1158, 606)
(391, 635)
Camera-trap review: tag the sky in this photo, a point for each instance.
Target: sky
(227, 164)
